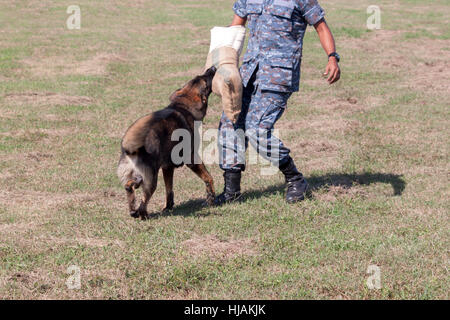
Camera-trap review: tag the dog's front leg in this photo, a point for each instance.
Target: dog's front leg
(168, 181)
(201, 171)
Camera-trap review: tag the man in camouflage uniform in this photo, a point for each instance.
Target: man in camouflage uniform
(270, 73)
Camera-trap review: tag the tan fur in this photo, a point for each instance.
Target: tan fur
(187, 93)
(135, 136)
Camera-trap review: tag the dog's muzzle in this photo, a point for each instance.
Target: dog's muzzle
(211, 72)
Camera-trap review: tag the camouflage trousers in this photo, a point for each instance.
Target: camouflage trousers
(261, 109)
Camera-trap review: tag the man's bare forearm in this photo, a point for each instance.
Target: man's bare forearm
(327, 40)
(325, 36)
(238, 21)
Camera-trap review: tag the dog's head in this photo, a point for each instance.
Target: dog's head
(194, 95)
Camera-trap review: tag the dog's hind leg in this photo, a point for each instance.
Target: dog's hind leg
(130, 180)
(168, 181)
(201, 171)
(149, 187)
(130, 188)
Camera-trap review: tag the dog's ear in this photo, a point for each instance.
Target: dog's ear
(174, 95)
(181, 92)
(178, 93)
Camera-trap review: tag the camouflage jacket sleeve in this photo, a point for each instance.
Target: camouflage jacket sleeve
(239, 8)
(311, 10)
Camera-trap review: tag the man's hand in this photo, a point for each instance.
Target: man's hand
(332, 71)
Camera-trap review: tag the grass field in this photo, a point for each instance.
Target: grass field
(375, 148)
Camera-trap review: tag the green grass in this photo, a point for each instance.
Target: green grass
(374, 147)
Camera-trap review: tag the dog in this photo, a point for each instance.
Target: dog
(147, 145)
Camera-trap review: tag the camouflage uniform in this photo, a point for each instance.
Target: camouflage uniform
(270, 73)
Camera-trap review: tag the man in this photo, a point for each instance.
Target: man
(270, 73)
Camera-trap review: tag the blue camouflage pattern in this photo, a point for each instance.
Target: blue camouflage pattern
(260, 111)
(277, 28)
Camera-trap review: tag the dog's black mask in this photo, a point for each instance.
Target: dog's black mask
(208, 76)
(199, 87)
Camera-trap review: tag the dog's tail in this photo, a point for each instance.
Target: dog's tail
(133, 167)
(140, 152)
(131, 179)
(127, 169)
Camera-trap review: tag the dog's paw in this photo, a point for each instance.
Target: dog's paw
(168, 209)
(209, 202)
(169, 206)
(143, 214)
(134, 214)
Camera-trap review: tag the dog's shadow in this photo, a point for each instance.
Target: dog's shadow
(316, 183)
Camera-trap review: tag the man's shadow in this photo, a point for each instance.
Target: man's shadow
(397, 182)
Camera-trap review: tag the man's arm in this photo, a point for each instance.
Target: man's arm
(328, 44)
(238, 21)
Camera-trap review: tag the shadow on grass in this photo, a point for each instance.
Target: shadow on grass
(397, 182)
(348, 180)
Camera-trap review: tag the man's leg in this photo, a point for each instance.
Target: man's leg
(265, 109)
(232, 147)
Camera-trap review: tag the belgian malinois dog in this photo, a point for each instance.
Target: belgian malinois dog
(147, 145)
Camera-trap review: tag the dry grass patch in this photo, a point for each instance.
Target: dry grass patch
(46, 99)
(16, 228)
(212, 247)
(55, 242)
(333, 193)
(42, 201)
(33, 282)
(37, 135)
(44, 66)
(320, 124)
(191, 73)
(431, 75)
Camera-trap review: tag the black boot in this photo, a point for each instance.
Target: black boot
(297, 187)
(232, 190)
